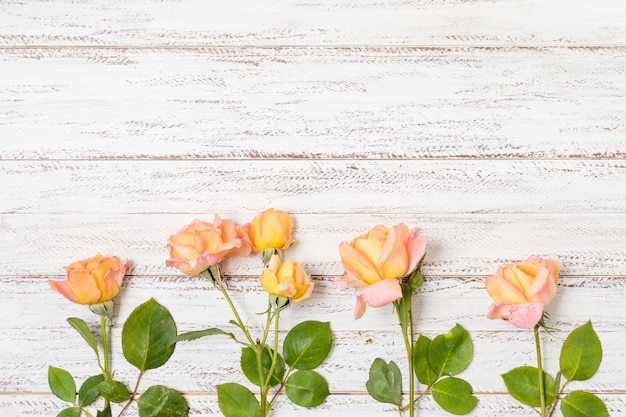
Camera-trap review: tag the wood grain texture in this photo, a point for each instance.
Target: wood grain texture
(313, 102)
(469, 245)
(423, 187)
(495, 126)
(195, 305)
(334, 22)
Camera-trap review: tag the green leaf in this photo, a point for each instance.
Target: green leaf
(404, 306)
(104, 413)
(160, 401)
(88, 392)
(114, 391)
(523, 385)
(306, 388)
(454, 395)
(250, 367)
(423, 371)
(146, 336)
(307, 344)
(237, 401)
(449, 354)
(84, 331)
(557, 383)
(197, 334)
(69, 412)
(581, 354)
(583, 404)
(62, 384)
(385, 382)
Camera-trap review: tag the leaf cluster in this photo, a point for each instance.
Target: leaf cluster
(579, 360)
(146, 344)
(436, 363)
(305, 347)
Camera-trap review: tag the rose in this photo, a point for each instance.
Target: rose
(288, 279)
(522, 291)
(269, 230)
(375, 261)
(92, 281)
(200, 245)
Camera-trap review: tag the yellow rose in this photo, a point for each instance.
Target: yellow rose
(92, 281)
(286, 279)
(269, 230)
(200, 245)
(520, 292)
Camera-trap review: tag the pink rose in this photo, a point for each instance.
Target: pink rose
(377, 260)
(200, 245)
(522, 291)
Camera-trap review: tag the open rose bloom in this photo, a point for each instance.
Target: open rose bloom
(376, 262)
(286, 279)
(92, 281)
(522, 291)
(200, 245)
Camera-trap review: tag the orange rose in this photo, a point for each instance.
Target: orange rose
(200, 245)
(92, 281)
(377, 260)
(270, 230)
(522, 291)
(286, 279)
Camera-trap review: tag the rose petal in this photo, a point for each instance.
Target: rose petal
(416, 248)
(382, 293)
(63, 289)
(359, 308)
(524, 316)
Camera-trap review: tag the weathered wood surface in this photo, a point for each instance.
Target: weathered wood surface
(472, 187)
(496, 127)
(459, 245)
(313, 102)
(325, 22)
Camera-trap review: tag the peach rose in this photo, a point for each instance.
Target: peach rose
(200, 245)
(269, 230)
(286, 279)
(377, 260)
(522, 291)
(92, 281)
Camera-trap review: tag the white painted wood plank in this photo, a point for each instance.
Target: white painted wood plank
(33, 316)
(439, 303)
(313, 186)
(458, 245)
(337, 22)
(348, 405)
(199, 365)
(350, 102)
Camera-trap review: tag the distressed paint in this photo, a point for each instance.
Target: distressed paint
(496, 127)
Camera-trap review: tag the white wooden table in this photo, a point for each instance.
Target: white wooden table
(496, 127)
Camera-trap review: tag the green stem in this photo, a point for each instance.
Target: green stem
(552, 408)
(105, 345)
(268, 322)
(275, 353)
(237, 317)
(542, 390)
(259, 362)
(408, 344)
(132, 396)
